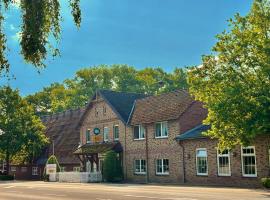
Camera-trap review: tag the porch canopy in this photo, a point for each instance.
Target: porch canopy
(91, 151)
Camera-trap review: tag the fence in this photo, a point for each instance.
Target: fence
(76, 177)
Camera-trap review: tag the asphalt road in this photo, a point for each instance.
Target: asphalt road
(74, 191)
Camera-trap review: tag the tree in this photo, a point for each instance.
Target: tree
(75, 92)
(40, 21)
(22, 132)
(112, 169)
(234, 82)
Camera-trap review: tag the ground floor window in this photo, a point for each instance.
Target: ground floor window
(249, 168)
(223, 160)
(201, 162)
(106, 134)
(269, 155)
(162, 166)
(139, 166)
(76, 169)
(34, 171)
(13, 169)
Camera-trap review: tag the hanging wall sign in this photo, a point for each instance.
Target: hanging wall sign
(96, 131)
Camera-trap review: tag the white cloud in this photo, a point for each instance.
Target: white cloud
(12, 27)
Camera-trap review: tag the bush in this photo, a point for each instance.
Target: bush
(46, 177)
(112, 169)
(6, 177)
(266, 182)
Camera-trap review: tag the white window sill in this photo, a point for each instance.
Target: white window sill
(250, 176)
(202, 174)
(162, 174)
(139, 173)
(139, 139)
(161, 137)
(224, 175)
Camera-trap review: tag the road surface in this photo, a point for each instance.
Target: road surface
(74, 191)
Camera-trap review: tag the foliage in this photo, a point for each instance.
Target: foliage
(74, 93)
(265, 182)
(6, 177)
(112, 169)
(22, 132)
(40, 23)
(234, 82)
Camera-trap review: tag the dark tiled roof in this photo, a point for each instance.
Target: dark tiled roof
(121, 102)
(194, 133)
(63, 129)
(99, 148)
(163, 107)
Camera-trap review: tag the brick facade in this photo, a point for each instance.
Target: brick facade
(181, 156)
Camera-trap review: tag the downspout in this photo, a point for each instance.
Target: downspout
(184, 163)
(125, 157)
(146, 154)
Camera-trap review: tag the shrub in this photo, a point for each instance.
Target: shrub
(46, 177)
(112, 168)
(6, 177)
(266, 182)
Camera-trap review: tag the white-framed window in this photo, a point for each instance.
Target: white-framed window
(34, 171)
(106, 134)
(115, 132)
(139, 166)
(23, 169)
(88, 136)
(13, 168)
(138, 132)
(201, 162)
(62, 169)
(162, 166)
(249, 168)
(76, 169)
(224, 163)
(161, 130)
(104, 110)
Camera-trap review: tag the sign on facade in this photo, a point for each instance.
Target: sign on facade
(51, 168)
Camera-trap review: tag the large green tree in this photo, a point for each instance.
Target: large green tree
(75, 92)
(234, 82)
(40, 29)
(22, 132)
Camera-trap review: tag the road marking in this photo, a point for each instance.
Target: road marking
(12, 186)
(148, 197)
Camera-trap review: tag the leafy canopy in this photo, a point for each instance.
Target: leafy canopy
(40, 23)
(234, 82)
(22, 132)
(74, 93)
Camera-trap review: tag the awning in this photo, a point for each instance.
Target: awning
(99, 148)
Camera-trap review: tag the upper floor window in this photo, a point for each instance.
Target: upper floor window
(249, 168)
(223, 159)
(201, 162)
(96, 112)
(161, 130)
(88, 136)
(162, 166)
(139, 132)
(106, 134)
(116, 132)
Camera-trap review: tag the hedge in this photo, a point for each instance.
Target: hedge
(6, 178)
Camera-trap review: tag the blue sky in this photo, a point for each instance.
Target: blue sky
(141, 33)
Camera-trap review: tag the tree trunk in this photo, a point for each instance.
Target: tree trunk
(7, 162)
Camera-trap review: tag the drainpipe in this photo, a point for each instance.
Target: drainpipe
(146, 154)
(124, 154)
(184, 163)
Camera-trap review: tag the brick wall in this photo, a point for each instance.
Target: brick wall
(236, 179)
(163, 148)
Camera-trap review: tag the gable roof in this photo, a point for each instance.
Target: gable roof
(163, 107)
(195, 133)
(62, 128)
(120, 102)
